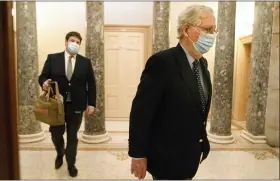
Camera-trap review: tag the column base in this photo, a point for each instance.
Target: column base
(94, 139)
(31, 138)
(220, 139)
(253, 139)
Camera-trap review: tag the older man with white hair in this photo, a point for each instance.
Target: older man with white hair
(167, 132)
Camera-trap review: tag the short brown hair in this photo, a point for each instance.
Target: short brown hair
(73, 33)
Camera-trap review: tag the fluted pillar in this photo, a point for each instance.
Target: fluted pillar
(221, 112)
(29, 128)
(95, 131)
(161, 26)
(272, 109)
(260, 58)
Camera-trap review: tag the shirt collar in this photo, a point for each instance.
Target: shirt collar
(68, 55)
(189, 57)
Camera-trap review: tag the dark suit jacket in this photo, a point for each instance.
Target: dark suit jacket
(82, 84)
(166, 119)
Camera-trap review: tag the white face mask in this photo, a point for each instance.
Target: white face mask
(204, 43)
(73, 47)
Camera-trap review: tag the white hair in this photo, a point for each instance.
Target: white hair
(191, 15)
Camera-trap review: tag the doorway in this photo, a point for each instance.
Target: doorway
(242, 79)
(126, 50)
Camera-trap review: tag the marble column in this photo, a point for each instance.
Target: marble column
(272, 108)
(260, 58)
(95, 131)
(29, 128)
(221, 112)
(161, 26)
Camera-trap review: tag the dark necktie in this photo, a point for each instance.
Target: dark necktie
(200, 88)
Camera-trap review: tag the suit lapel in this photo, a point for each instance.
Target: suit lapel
(76, 67)
(187, 75)
(62, 63)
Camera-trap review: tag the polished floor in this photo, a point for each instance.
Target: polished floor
(241, 160)
(115, 165)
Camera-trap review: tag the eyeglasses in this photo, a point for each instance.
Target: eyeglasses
(206, 30)
(209, 30)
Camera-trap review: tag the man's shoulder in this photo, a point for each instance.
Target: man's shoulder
(164, 57)
(165, 53)
(56, 54)
(83, 57)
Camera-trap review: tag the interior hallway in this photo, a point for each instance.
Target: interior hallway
(241, 160)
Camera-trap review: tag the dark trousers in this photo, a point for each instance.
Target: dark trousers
(73, 122)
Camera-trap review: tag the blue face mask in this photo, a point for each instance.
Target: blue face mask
(73, 47)
(204, 42)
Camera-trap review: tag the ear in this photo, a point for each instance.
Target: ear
(185, 30)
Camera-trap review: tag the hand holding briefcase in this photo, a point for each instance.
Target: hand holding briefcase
(50, 110)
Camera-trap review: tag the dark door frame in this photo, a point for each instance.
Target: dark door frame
(9, 155)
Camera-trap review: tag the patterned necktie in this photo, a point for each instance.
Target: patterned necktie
(200, 88)
(69, 68)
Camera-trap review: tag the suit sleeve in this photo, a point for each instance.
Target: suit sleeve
(144, 106)
(45, 74)
(91, 83)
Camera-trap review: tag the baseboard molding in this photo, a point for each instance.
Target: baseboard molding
(111, 126)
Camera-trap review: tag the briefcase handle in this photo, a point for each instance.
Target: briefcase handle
(57, 94)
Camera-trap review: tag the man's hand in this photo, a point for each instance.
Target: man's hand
(90, 110)
(139, 168)
(46, 84)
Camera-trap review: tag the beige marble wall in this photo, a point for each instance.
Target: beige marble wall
(272, 109)
(53, 27)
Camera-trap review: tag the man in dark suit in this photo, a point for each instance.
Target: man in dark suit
(167, 132)
(76, 81)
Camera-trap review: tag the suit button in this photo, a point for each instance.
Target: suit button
(69, 84)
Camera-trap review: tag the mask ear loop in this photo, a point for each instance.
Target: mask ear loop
(193, 41)
(195, 30)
